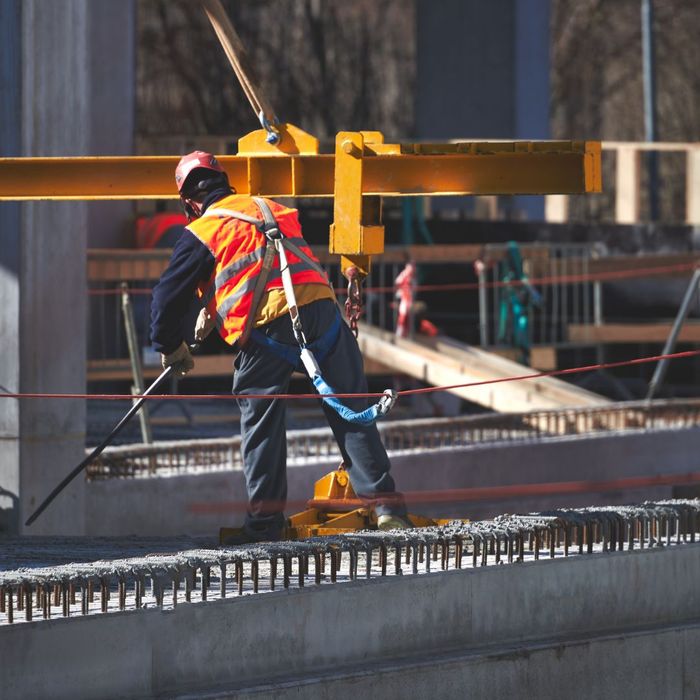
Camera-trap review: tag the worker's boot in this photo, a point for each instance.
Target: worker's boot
(236, 538)
(393, 522)
(249, 535)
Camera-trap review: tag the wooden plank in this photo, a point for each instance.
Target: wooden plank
(542, 357)
(443, 362)
(119, 369)
(618, 263)
(556, 208)
(631, 333)
(611, 264)
(692, 192)
(628, 173)
(127, 265)
(668, 146)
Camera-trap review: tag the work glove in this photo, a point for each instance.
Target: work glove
(204, 326)
(180, 359)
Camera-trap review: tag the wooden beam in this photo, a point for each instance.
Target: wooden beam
(443, 362)
(628, 174)
(125, 264)
(631, 333)
(611, 264)
(119, 369)
(105, 265)
(542, 357)
(692, 191)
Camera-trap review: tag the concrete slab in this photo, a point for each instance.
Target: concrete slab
(497, 620)
(627, 665)
(163, 505)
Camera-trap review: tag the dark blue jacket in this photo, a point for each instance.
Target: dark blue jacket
(190, 264)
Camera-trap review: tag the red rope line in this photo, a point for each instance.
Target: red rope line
(552, 279)
(477, 493)
(368, 395)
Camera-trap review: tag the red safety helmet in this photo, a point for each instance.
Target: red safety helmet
(197, 160)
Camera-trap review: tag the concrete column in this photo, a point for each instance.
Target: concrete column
(464, 77)
(483, 73)
(10, 137)
(53, 63)
(111, 79)
(532, 87)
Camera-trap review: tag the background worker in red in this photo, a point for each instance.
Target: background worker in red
(220, 257)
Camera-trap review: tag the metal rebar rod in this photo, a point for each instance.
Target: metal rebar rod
(135, 359)
(660, 371)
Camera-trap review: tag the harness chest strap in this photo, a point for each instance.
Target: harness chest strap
(268, 226)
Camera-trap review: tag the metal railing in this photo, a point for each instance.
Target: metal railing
(201, 456)
(562, 301)
(107, 350)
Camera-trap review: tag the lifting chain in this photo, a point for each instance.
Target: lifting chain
(353, 304)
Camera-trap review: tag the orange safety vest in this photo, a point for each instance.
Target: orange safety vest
(238, 248)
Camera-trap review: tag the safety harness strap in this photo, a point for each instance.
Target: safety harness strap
(296, 250)
(233, 214)
(258, 291)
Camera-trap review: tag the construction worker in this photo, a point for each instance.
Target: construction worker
(220, 257)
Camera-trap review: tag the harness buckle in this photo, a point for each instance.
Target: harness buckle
(310, 363)
(386, 403)
(273, 233)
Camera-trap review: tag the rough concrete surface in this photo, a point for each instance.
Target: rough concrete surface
(61, 99)
(527, 614)
(627, 665)
(162, 505)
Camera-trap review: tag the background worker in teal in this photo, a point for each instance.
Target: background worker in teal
(220, 257)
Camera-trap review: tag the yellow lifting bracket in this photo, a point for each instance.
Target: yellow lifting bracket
(335, 509)
(281, 160)
(357, 232)
(361, 171)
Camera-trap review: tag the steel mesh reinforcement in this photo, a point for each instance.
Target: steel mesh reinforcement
(193, 456)
(165, 580)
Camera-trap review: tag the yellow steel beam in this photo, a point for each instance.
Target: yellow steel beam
(387, 169)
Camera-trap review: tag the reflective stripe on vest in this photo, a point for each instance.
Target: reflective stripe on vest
(230, 301)
(238, 247)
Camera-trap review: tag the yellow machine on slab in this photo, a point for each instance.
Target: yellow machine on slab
(335, 509)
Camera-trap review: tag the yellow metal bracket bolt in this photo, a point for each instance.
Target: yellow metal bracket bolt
(356, 232)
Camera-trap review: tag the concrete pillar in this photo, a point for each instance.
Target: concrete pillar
(483, 73)
(532, 90)
(58, 100)
(465, 69)
(10, 138)
(111, 81)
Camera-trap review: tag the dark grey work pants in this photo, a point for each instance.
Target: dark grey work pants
(259, 371)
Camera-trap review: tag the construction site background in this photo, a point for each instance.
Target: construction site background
(333, 66)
